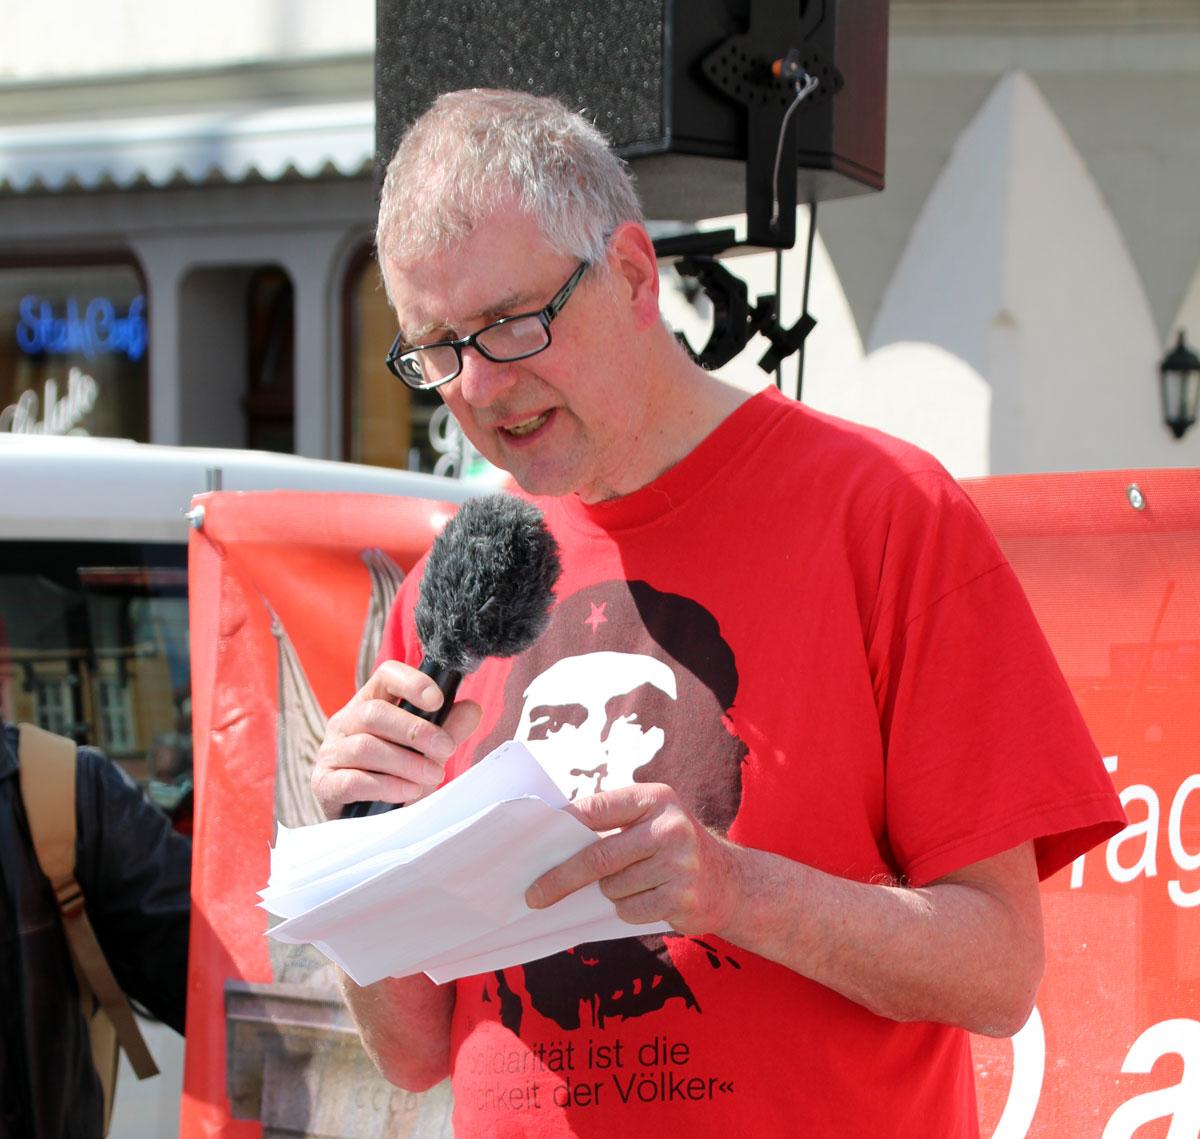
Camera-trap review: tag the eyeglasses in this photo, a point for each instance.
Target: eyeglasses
(509, 338)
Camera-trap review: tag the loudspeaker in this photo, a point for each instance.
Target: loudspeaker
(681, 87)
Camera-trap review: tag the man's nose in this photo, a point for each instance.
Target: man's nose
(483, 381)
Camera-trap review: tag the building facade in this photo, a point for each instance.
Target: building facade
(185, 243)
(186, 211)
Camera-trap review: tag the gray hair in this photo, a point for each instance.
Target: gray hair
(473, 150)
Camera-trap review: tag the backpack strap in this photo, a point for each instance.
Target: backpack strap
(48, 788)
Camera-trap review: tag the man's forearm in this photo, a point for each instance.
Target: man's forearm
(405, 1027)
(966, 950)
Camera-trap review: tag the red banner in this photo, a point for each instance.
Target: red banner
(287, 594)
(287, 591)
(1111, 563)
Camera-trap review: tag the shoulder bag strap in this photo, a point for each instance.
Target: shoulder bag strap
(48, 788)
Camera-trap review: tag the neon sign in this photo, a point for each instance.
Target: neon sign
(61, 416)
(87, 330)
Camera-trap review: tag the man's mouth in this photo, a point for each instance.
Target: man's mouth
(527, 426)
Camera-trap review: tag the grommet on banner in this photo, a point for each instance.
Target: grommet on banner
(1136, 499)
(195, 517)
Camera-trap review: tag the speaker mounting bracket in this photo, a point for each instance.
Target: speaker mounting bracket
(735, 320)
(762, 69)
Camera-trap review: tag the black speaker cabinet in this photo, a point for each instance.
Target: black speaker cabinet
(673, 83)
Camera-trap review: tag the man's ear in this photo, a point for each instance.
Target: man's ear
(631, 252)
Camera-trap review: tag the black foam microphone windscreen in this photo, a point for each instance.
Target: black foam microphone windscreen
(488, 583)
(486, 592)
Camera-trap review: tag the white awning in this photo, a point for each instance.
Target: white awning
(232, 145)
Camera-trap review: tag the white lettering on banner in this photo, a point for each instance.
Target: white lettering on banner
(61, 416)
(1146, 830)
(1142, 861)
(1179, 1103)
(1029, 1069)
(1186, 860)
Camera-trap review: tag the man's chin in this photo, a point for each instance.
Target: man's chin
(540, 483)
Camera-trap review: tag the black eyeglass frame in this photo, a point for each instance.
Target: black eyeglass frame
(544, 315)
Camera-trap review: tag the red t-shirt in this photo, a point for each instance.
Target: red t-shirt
(805, 628)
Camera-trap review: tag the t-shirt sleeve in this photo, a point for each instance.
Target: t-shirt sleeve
(985, 747)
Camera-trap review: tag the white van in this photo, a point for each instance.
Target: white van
(94, 624)
(93, 579)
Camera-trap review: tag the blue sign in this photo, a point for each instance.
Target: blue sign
(95, 331)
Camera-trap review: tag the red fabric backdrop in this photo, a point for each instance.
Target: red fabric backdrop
(1113, 1049)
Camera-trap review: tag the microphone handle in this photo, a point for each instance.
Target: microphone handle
(447, 679)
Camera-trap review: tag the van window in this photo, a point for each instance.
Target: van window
(94, 645)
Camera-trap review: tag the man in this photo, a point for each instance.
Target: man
(910, 758)
(134, 871)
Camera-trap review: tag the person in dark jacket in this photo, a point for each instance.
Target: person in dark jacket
(135, 872)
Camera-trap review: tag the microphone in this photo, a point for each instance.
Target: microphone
(487, 591)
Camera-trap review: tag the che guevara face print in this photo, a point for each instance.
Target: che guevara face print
(629, 684)
(595, 720)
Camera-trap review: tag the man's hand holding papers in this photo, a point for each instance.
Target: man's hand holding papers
(439, 886)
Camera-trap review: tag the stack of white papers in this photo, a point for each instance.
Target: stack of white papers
(439, 886)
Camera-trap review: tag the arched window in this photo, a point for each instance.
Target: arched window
(384, 422)
(269, 402)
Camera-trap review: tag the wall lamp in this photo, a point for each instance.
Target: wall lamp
(1179, 378)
